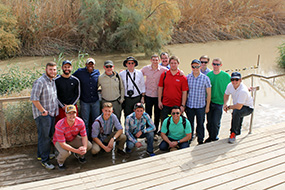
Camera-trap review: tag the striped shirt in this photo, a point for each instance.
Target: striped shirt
(197, 90)
(44, 91)
(134, 125)
(65, 133)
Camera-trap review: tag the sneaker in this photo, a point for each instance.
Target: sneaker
(51, 156)
(81, 160)
(121, 152)
(232, 138)
(48, 165)
(150, 153)
(200, 142)
(61, 167)
(208, 140)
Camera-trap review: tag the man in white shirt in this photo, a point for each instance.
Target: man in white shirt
(133, 81)
(242, 104)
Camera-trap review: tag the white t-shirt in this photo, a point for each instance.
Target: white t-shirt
(240, 95)
(139, 80)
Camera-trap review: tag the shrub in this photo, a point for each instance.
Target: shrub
(281, 59)
(9, 43)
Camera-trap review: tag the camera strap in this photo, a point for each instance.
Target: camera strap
(127, 76)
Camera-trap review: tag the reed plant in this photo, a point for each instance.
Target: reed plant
(207, 20)
(281, 58)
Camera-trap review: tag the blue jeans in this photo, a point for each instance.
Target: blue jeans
(89, 108)
(45, 126)
(200, 119)
(214, 120)
(151, 102)
(237, 118)
(149, 137)
(164, 146)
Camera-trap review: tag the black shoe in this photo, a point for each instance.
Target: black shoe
(82, 159)
(200, 142)
(121, 152)
(61, 167)
(208, 140)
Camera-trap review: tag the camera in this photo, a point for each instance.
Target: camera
(130, 93)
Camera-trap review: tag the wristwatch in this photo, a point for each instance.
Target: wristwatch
(114, 138)
(44, 112)
(178, 142)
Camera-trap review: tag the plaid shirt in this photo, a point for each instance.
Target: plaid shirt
(134, 125)
(44, 91)
(197, 90)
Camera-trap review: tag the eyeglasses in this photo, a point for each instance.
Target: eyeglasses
(234, 79)
(109, 66)
(173, 113)
(216, 64)
(130, 63)
(204, 62)
(195, 67)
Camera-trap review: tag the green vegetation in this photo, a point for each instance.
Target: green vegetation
(49, 27)
(281, 59)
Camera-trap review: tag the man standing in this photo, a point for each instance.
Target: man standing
(204, 64)
(219, 81)
(242, 104)
(89, 99)
(45, 108)
(164, 60)
(68, 89)
(173, 88)
(175, 131)
(66, 138)
(153, 73)
(134, 85)
(199, 91)
(103, 133)
(112, 88)
(136, 127)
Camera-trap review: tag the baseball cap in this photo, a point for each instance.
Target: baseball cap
(108, 62)
(196, 61)
(70, 108)
(236, 75)
(66, 62)
(90, 60)
(138, 105)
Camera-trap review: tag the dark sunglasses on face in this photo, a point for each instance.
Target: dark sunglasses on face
(195, 67)
(216, 64)
(109, 66)
(130, 63)
(234, 79)
(204, 62)
(173, 113)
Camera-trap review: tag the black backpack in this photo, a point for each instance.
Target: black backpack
(168, 123)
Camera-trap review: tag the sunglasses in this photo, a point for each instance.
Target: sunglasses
(216, 64)
(204, 62)
(130, 63)
(195, 67)
(234, 79)
(173, 113)
(109, 66)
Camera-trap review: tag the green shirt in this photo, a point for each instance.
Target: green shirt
(176, 131)
(219, 84)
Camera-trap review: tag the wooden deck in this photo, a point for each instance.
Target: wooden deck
(255, 161)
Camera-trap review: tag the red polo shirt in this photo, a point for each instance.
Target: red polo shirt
(172, 88)
(65, 133)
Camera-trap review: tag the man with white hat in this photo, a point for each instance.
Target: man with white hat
(89, 99)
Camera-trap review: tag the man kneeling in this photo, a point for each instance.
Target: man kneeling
(139, 125)
(67, 140)
(102, 131)
(175, 131)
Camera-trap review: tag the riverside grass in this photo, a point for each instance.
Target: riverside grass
(48, 27)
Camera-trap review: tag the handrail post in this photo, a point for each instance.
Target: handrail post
(3, 127)
(254, 89)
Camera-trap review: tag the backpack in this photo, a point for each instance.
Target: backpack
(168, 123)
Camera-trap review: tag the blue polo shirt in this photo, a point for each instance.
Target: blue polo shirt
(88, 84)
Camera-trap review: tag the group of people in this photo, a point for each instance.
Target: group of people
(160, 88)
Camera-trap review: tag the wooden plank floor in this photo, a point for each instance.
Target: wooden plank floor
(255, 161)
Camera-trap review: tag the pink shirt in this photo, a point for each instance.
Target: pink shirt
(65, 133)
(152, 79)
